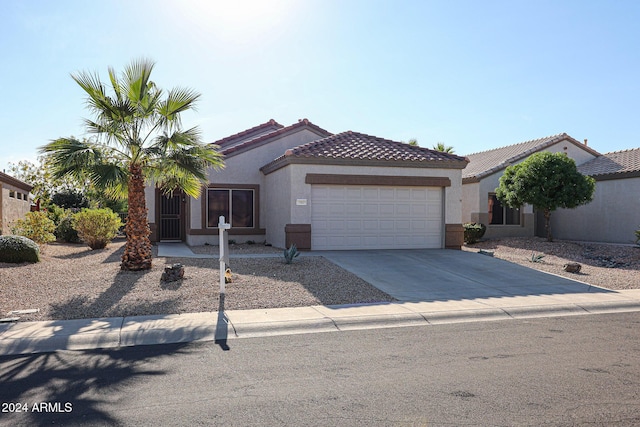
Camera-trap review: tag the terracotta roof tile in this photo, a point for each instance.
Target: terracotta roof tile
(262, 139)
(358, 146)
(253, 132)
(615, 164)
(487, 162)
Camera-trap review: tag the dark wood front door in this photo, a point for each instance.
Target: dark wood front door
(171, 216)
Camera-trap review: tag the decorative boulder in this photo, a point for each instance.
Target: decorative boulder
(173, 273)
(572, 267)
(17, 249)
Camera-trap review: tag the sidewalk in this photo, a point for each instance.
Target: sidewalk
(84, 334)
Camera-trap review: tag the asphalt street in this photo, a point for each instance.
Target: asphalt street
(573, 370)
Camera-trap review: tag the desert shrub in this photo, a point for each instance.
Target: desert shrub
(35, 226)
(638, 236)
(290, 254)
(64, 229)
(16, 249)
(55, 213)
(70, 199)
(473, 232)
(96, 227)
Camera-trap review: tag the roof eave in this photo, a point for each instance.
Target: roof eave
(15, 182)
(429, 164)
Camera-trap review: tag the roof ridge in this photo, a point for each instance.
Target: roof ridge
(269, 123)
(260, 138)
(544, 138)
(621, 151)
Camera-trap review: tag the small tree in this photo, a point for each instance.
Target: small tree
(547, 181)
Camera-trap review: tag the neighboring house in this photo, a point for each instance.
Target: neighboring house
(14, 201)
(614, 213)
(301, 184)
(481, 178)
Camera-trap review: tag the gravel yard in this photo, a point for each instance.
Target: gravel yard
(74, 282)
(605, 265)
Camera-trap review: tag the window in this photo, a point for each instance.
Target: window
(12, 194)
(502, 215)
(237, 206)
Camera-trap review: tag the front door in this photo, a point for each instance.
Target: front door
(171, 216)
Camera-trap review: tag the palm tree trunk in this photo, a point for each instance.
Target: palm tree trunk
(137, 251)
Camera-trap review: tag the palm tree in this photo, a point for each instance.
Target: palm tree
(139, 140)
(443, 148)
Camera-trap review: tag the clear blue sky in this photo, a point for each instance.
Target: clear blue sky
(472, 74)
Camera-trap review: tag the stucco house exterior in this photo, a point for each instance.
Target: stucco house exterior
(614, 213)
(14, 201)
(481, 178)
(302, 184)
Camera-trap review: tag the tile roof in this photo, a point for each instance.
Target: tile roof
(618, 164)
(487, 162)
(248, 144)
(358, 148)
(253, 132)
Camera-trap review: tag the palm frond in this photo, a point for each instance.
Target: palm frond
(178, 100)
(70, 157)
(110, 177)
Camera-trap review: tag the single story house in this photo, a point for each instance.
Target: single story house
(14, 201)
(302, 184)
(481, 178)
(614, 214)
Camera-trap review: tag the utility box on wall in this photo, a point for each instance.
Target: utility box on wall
(299, 235)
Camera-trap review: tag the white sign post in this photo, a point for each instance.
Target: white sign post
(224, 250)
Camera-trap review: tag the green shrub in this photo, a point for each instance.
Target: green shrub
(638, 236)
(96, 227)
(16, 249)
(70, 199)
(55, 213)
(473, 232)
(64, 229)
(35, 226)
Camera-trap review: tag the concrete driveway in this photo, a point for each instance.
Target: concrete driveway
(442, 275)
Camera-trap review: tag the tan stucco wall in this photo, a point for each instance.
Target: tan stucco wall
(475, 197)
(294, 175)
(12, 208)
(278, 207)
(244, 168)
(612, 216)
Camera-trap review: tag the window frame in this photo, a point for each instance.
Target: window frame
(507, 212)
(230, 188)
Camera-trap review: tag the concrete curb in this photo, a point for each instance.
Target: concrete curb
(86, 334)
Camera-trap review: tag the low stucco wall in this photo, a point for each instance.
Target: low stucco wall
(612, 216)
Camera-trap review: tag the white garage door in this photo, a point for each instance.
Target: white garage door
(368, 217)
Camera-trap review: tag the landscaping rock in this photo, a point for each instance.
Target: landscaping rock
(173, 273)
(572, 267)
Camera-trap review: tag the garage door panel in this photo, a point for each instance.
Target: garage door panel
(387, 194)
(403, 194)
(386, 209)
(353, 217)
